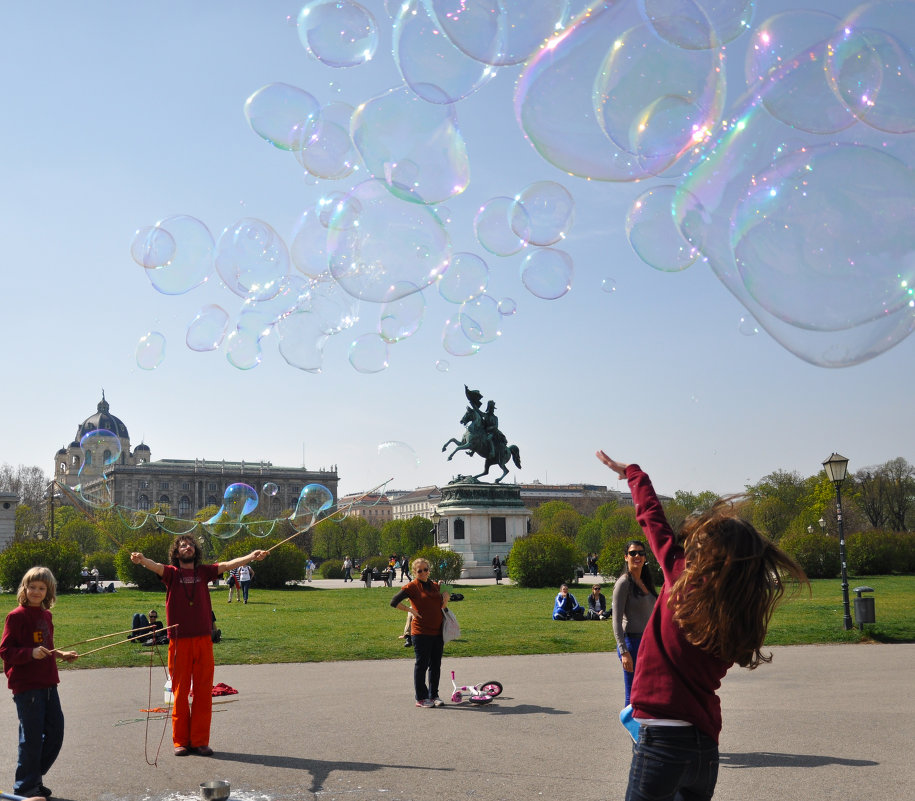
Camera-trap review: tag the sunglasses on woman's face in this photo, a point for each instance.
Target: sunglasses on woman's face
(634, 554)
(422, 570)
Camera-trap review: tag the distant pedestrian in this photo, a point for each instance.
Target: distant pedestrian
(347, 570)
(309, 570)
(245, 576)
(497, 569)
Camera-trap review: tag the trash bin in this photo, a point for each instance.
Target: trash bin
(864, 607)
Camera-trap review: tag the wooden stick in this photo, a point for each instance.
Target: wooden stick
(330, 516)
(129, 639)
(113, 634)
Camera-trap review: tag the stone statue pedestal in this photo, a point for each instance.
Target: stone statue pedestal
(480, 521)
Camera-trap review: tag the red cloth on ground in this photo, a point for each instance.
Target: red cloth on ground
(224, 689)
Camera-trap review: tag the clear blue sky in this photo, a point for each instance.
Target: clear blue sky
(120, 114)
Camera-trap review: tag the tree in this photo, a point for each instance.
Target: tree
(81, 533)
(777, 499)
(543, 515)
(406, 536)
(61, 558)
(696, 502)
(900, 478)
(29, 483)
(29, 522)
(543, 559)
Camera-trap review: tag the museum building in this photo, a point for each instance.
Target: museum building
(179, 487)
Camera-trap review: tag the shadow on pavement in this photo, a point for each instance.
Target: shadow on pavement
(768, 759)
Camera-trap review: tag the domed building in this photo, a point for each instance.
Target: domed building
(176, 487)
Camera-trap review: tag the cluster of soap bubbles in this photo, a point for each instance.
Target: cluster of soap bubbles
(797, 191)
(100, 449)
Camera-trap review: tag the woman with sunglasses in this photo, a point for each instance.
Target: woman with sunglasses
(427, 603)
(634, 596)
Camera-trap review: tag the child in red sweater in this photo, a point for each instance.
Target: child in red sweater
(722, 580)
(28, 653)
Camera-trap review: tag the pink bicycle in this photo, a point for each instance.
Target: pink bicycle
(477, 694)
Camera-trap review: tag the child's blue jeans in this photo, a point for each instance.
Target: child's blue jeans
(672, 763)
(41, 735)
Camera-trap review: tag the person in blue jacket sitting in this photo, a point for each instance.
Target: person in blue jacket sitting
(566, 607)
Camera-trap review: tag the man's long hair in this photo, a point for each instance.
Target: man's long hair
(733, 580)
(173, 551)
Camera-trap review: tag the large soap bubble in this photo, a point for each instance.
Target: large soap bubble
(414, 147)
(150, 350)
(547, 273)
(339, 33)
(465, 278)
(699, 24)
(327, 149)
(542, 213)
(191, 260)
(100, 449)
(654, 234)
(314, 502)
(152, 247)
(251, 259)
(208, 328)
(238, 501)
(282, 114)
(377, 244)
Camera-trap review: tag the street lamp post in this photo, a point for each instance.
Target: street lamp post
(836, 467)
(436, 517)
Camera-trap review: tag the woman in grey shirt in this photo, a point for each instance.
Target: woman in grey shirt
(634, 595)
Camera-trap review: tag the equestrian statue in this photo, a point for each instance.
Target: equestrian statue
(483, 437)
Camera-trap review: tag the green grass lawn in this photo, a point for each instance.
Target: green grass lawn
(308, 624)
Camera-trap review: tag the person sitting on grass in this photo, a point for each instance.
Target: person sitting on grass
(566, 607)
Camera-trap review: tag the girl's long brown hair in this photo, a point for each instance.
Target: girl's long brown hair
(733, 580)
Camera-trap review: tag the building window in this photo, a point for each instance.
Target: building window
(88, 458)
(459, 529)
(143, 503)
(106, 456)
(184, 506)
(442, 532)
(164, 503)
(163, 485)
(144, 484)
(185, 485)
(76, 461)
(211, 501)
(211, 487)
(497, 529)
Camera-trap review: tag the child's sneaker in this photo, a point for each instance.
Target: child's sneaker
(425, 703)
(437, 701)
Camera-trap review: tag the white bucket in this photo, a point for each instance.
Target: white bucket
(168, 696)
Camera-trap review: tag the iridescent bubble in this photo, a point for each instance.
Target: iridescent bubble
(788, 53)
(465, 278)
(701, 24)
(301, 340)
(252, 259)
(208, 328)
(238, 501)
(500, 228)
(368, 354)
(608, 285)
(336, 309)
(658, 101)
(542, 213)
(871, 65)
(497, 32)
(654, 234)
(243, 349)
(401, 318)
(455, 341)
(414, 147)
(442, 365)
(150, 350)
(270, 489)
(547, 273)
(282, 114)
(508, 307)
(259, 316)
(339, 33)
(100, 448)
(308, 246)
(192, 261)
(390, 244)
(480, 319)
(315, 501)
(328, 150)
(152, 247)
(430, 64)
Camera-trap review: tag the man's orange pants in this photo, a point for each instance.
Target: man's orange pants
(190, 664)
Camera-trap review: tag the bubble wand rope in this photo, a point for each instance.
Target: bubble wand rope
(346, 508)
(121, 642)
(113, 634)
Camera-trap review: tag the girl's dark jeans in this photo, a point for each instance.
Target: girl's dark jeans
(428, 649)
(672, 763)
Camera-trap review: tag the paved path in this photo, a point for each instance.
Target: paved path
(820, 723)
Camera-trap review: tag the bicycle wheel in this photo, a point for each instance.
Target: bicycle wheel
(480, 699)
(492, 688)
(456, 697)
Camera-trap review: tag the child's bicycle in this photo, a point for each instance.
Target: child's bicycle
(478, 694)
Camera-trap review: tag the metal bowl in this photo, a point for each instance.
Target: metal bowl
(217, 790)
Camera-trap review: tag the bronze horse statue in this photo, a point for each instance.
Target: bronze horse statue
(486, 441)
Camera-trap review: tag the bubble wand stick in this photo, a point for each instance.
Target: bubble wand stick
(121, 642)
(113, 634)
(346, 508)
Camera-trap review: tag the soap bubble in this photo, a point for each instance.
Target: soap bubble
(466, 277)
(150, 350)
(500, 226)
(547, 273)
(508, 307)
(152, 247)
(654, 234)
(369, 353)
(208, 328)
(542, 213)
(401, 318)
(238, 500)
(302, 337)
(376, 242)
(397, 460)
(699, 24)
(251, 259)
(192, 261)
(339, 33)
(480, 319)
(455, 341)
(271, 489)
(281, 114)
(100, 448)
(243, 349)
(314, 502)
(327, 150)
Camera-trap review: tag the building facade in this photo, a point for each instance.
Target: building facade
(176, 487)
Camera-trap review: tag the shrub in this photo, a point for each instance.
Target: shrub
(871, 553)
(543, 560)
(104, 561)
(331, 569)
(152, 546)
(816, 552)
(444, 565)
(904, 542)
(284, 564)
(375, 562)
(61, 558)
